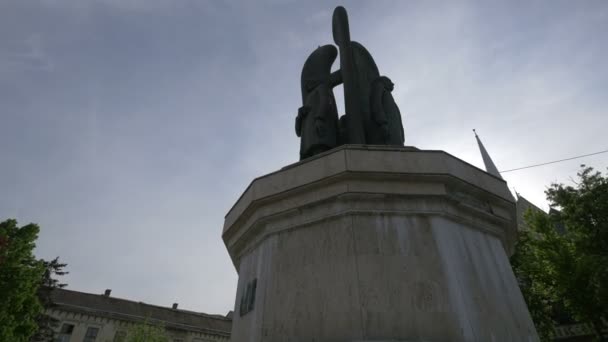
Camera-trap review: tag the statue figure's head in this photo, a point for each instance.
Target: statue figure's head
(317, 68)
(388, 84)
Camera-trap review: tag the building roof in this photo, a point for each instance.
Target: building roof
(122, 309)
(523, 205)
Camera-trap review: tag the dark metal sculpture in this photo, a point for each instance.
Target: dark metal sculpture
(348, 73)
(386, 118)
(317, 120)
(372, 116)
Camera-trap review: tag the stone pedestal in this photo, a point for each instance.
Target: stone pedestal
(376, 244)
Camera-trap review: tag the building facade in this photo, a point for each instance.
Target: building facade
(87, 317)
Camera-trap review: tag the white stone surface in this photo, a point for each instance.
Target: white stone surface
(377, 244)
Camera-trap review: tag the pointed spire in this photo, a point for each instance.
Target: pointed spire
(490, 167)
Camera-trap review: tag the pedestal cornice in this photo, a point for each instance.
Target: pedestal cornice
(359, 180)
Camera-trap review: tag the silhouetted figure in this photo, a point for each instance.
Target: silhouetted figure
(371, 114)
(385, 114)
(317, 120)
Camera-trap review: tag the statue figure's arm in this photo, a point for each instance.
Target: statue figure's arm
(335, 79)
(377, 106)
(402, 131)
(302, 111)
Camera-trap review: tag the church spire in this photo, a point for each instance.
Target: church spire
(490, 167)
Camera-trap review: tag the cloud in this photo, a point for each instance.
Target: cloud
(138, 6)
(131, 127)
(26, 55)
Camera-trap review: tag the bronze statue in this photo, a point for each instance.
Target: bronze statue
(385, 114)
(372, 116)
(317, 120)
(348, 74)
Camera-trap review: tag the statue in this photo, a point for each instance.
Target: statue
(385, 114)
(317, 119)
(372, 116)
(347, 74)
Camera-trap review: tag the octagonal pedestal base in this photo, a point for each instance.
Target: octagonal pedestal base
(376, 244)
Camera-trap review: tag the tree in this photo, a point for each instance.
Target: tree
(25, 285)
(536, 254)
(561, 263)
(48, 282)
(20, 275)
(146, 332)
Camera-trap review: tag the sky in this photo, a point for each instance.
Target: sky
(128, 128)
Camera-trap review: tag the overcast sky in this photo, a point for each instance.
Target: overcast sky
(129, 127)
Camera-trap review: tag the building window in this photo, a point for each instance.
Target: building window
(91, 334)
(65, 332)
(120, 336)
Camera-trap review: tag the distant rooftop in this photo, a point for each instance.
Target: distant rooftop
(127, 310)
(523, 205)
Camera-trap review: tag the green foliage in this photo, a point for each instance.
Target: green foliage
(537, 253)
(145, 332)
(48, 282)
(20, 275)
(561, 263)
